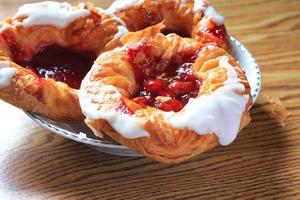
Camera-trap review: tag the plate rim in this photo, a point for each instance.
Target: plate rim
(256, 67)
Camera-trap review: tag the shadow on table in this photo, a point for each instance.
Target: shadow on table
(251, 167)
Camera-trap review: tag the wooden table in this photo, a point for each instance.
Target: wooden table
(264, 161)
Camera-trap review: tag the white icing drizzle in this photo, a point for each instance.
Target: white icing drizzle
(219, 112)
(121, 4)
(6, 74)
(56, 14)
(98, 101)
(214, 15)
(199, 5)
(112, 15)
(121, 31)
(4, 27)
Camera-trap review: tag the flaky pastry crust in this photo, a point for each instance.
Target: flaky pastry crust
(165, 143)
(45, 96)
(179, 16)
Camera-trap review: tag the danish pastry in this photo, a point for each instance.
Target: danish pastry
(166, 97)
(188, 18)
(46, 49)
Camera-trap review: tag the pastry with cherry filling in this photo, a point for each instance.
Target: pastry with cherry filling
(187, 18)
(46, 49)
(166, 97)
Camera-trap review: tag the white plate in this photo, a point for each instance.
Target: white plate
(81, 133)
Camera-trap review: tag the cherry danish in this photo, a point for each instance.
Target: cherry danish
(46, 49)
(166, 97)
(186, 18)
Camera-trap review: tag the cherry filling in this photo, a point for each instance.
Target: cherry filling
(218, 31)
(164, 84)
(61, 64)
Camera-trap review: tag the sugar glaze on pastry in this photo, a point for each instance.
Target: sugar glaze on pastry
(56, 14)
(121, 4)
(50, 46)
(166, 97)
(6, 74)
(215, 16)
(129, 125)
(196, 19)
(219, 112)
(199, 5)
(122, 29)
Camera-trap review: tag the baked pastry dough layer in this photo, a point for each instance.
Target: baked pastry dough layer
(196, 19)
(83, 28)
(151, 131)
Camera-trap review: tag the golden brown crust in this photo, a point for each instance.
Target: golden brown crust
(45, 96)
(177, 15)
(166, 143)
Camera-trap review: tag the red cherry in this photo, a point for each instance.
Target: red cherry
(218, 31)
(184, 72)
(154, 86)
(155, 77)
(185, 98)
(170, 105)
(180, 87)
(167, 93)
(198, 85)
(214, 33)
(141, 101)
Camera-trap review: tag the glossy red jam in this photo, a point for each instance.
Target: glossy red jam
(165, 84)
(214, 32)
(61, 64)
(218, 31)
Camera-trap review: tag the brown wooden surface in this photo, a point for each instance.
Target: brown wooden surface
(264, 162)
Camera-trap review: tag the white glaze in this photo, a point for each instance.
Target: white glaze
(4, 27)
(98, 101)
(199, 5)
(214, 15)
(121, 31)
(112, 15)
(121, 4)
(219, 112)
(6, 74)
(56, 14)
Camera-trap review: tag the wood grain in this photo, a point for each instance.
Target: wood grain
(264, 162)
